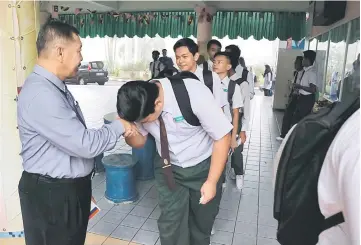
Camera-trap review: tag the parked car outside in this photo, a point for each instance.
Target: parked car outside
(90, 72)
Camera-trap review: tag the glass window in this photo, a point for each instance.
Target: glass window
(352, 53)
(351, 82)
(320, 63)
(313, 44)
(335, 63)
(97, 65)
(84, 65)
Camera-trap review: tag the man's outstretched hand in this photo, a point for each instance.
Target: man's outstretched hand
(130, 129)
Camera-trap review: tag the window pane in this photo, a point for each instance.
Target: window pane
(334, 68)
(313, 44)
(320, 64)
(351, 83)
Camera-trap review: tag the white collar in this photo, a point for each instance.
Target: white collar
(225, 80)
(308, 68)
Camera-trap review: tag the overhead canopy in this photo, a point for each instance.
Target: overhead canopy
(339, 34)
(176, 5)
(269, 25)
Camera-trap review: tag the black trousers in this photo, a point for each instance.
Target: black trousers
(267, 92)
(288, 115)
(237, 160)
(299, 107)
(55, 211)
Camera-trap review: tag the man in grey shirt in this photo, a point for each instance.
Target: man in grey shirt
(57, 149)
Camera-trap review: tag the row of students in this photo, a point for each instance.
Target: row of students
(193, 138)
(186, 51)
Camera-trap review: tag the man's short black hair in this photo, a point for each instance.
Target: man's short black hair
(234, 49)
(136, 100)
(225, 54)
(215, 42)
(156, 52)
(53, 30)
(310, 55)
(164, 49)
(186, 42)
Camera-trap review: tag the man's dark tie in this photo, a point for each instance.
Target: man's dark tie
(167, 166)
(295, 81)
(72, 104)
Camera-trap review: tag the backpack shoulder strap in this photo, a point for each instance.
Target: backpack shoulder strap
(231, 89)
(183, 100)
(332, 221)
(205, 65)
(208, 79)
(244, 75)
(239, 81)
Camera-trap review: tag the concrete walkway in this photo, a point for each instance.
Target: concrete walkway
(244, 218)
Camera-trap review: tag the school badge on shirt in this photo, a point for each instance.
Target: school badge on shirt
(178, 119)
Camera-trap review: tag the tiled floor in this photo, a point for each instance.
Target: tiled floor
(244, 218)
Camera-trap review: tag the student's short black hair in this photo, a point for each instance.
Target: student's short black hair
(225, 54)
(310, 55)
(234, 49)
(53, 30)
(136, 100)
(215, 42)
(156, 52)
(234, 61)
(299, 58)
(242, 62)
(186, 42)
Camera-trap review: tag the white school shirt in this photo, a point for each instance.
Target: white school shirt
(339, 185)
(217, 87)
(309, 76)
(189, 145)
(268, 81)
(250, 79)
(236, 98)
(246, 102)
(159, 66)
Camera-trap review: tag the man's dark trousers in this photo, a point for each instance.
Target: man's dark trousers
(55, 211)
(288, 115)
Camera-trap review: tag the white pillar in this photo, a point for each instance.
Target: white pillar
(19, 22)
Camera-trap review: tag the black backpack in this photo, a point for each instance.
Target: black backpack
(208, 78)
(182, 97)
(296, 206)
(230, 92)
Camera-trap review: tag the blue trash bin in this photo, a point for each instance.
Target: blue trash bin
(143, 159)
(120, 178)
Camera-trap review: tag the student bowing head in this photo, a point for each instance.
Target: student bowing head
(140, 101)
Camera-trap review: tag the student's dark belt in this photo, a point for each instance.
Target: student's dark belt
(165, 156)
